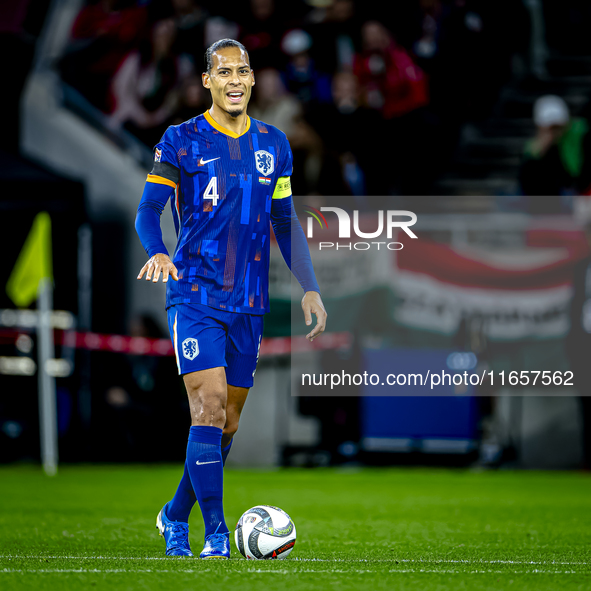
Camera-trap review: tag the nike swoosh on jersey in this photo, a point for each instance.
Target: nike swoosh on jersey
(203, 463)
(202, 162)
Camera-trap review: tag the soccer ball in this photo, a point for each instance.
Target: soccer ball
(265, 532)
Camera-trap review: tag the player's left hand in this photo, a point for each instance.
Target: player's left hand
(312, 304)
(159, 263)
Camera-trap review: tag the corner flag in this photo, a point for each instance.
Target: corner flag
(33, 264)
(30, 280)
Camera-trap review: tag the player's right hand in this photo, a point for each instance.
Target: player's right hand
(159, 263)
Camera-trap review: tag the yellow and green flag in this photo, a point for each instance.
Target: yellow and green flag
(34, 263)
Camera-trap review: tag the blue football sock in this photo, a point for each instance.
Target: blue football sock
(226, 451)
(180, 507)
(206, 469)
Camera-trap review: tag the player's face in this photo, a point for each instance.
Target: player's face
(230, 80)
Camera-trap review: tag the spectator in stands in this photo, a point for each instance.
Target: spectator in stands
(104, 32)
(189, 19)
(262, 28)
(390, 80)
(192, 101)
(471, 62)
(217, 27)
(336, 35)
(144, 89)
(426, 47)
(394, 86)
(308, 158)
(272, 103)
(553, 159)
(584, 179)
(341, 124)
(302, 77)
(423, 98)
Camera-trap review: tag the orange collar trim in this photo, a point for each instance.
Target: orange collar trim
(221, 129)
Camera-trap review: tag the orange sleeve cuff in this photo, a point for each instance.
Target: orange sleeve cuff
(160, 180)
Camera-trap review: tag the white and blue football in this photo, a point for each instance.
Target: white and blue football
(265, 532)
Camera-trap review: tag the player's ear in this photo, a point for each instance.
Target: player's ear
(205, 79)
(252, 74)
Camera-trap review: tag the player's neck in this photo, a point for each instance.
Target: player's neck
(236, 125)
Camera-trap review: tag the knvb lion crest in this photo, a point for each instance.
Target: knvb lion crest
(190, 348)
(265, 162)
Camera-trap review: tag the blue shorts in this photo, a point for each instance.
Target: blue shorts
(205, 337)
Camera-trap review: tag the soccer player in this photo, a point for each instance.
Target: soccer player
(228, 176)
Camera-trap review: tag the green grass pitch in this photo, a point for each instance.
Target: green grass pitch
(93, 527)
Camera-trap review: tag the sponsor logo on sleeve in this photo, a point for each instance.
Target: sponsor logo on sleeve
(157, 155)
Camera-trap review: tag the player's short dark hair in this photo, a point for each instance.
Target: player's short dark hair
(221, 44)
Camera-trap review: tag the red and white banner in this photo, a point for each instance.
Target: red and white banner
(514, 294)
(270, 347)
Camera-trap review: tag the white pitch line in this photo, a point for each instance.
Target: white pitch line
(297, 559)
(40, 557)
(464, 561)
(421, 570)
(98, 570)
(446, 561)
(285, 571)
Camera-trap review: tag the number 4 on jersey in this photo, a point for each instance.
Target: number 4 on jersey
(211, 191)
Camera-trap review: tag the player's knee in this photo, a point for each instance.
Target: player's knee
(230, 428)
(208, 415)
(208, 407)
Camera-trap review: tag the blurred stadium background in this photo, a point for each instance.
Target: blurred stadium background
(426, 105)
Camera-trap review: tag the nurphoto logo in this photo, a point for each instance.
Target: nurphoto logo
(400, 219)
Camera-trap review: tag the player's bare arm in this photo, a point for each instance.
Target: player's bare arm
(312, 304)
(157, 265)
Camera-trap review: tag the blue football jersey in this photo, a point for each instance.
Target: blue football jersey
(224, 184)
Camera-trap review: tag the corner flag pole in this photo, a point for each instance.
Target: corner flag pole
(32, 279)
(47, 394)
